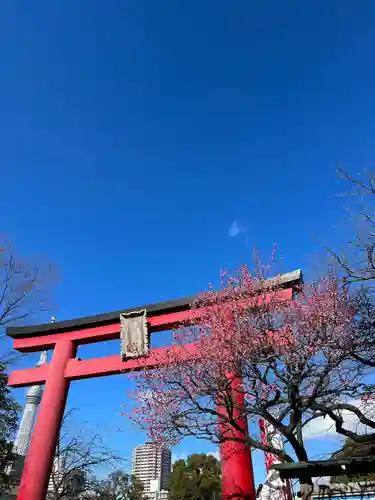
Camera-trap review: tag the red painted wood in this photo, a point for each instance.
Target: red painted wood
(38, 464)
(113, 365)
(97, 367)
(97, 333)
(85, 336)
(111, 332)
(236, 464)
(29, 376)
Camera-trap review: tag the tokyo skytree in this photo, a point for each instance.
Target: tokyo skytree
(25, 430)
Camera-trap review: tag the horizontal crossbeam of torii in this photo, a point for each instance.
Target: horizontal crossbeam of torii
(64, 338)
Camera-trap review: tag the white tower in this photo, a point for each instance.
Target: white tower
(25, 430)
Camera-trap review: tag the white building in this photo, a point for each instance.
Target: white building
(156, 492)
(152, 466)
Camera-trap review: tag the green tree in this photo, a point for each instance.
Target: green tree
(9, 410)
(119, 486)
(197, 478)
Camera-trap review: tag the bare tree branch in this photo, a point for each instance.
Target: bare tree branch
(75, 462)
(26, 287)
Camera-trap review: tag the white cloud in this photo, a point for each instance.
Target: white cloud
(234, 230)
(326, 426)
(215, 454)
(179, 456)
(318, 428)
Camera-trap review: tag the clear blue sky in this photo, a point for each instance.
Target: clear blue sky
(135, 133)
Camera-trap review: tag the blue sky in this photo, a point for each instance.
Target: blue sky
(146, 144)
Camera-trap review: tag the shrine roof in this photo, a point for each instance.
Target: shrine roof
(322, 468)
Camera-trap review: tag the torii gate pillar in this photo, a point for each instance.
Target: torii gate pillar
(237, 468)
(39, 460)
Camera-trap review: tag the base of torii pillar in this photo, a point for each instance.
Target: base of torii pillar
(237, 476)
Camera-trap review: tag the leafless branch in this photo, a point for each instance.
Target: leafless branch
(26, 288)
(75, 462)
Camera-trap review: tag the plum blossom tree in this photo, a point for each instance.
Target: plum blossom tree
(250, 352)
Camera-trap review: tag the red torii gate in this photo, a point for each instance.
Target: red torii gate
(64, 337)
